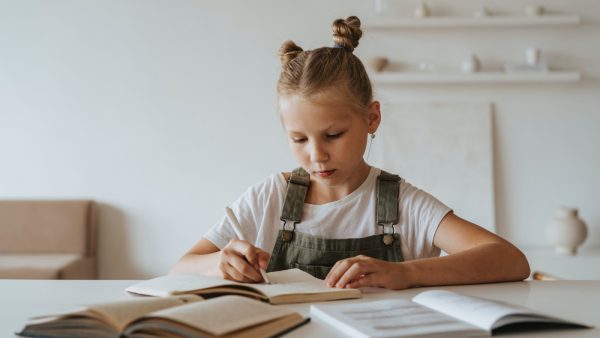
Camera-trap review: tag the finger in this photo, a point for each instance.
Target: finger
(242, 266)
(329, 277)
(364, 281)
(249, 251)
(263, 259)
(235, 275)
(230, 273)
(354, 272)
(338, 271)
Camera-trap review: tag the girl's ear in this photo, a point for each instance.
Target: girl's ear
(374, 116)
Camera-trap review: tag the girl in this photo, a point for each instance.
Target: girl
(335, 216)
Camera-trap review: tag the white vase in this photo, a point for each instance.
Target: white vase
(532, 56)
(566, 231)
(471, 64)
(422, 10)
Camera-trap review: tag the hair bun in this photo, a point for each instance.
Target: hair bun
(346, 33)
(288, 51)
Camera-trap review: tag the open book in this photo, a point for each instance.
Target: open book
(178, 316)
(287, 286)
(434, 313)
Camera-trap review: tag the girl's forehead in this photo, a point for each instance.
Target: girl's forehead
(323, 107)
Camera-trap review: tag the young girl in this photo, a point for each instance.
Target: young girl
(335, 216)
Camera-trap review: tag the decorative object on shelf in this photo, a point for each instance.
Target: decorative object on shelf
(482, 12)
(471, 64)
(534, 10)
(379, 7)
(532, 55)
(566, 231)
(532, 63)
(422, 10)
(425, 66)
(379, 63)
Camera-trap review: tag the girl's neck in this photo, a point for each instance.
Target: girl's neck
(320, 193)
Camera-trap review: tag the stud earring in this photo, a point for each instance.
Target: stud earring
(372, 136)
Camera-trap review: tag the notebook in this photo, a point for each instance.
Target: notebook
(287, 286)
(434, 313)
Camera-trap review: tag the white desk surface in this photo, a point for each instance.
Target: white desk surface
(575, 300)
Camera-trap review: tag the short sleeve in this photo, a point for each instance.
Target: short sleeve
(420, 215)
(249, 211)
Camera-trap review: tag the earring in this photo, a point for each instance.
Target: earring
(372, 135)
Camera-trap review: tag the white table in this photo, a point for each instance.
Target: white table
(583, 266)
(575, 300)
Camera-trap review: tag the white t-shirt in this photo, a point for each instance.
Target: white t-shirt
(258, 210)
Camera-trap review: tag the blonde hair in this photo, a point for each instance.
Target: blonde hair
(313, 73)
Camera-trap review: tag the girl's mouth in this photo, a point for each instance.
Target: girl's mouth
(325, 173)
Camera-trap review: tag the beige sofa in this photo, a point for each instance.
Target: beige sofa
(53, 239)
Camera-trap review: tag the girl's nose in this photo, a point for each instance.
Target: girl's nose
(318, 154)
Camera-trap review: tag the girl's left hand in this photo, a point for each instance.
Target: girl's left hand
(363, 271)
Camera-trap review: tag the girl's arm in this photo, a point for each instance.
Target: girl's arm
(239, 261)
(475, 255)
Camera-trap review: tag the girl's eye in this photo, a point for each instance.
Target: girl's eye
(298, 140)
(334, 136)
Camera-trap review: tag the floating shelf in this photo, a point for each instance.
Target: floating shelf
(489, 21)
(399, 78)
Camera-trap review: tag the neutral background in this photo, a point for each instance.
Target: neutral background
(165, 111)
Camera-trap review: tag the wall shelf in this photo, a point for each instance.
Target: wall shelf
(401, 78)
(489, 21)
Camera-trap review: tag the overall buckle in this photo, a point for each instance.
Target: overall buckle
(388, 239)
(288, 235)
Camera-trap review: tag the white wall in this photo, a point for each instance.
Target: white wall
(164, 112)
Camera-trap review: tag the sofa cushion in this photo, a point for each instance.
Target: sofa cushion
(51, 226)
(36, 266)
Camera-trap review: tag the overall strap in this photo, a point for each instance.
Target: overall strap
(388, 194)
(295, 195)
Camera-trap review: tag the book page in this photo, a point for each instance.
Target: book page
(298, 282)
(117, 314)
(393, 318)
(177, 284)
(121, 313)
(285, 282)
(292, 276)
(477, 311)
(222, 315)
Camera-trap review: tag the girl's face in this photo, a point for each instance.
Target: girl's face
(328, 139)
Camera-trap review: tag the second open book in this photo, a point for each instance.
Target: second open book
(434, 313)
(287, 286)
(178, 316)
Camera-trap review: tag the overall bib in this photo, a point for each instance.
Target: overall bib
(317, 255)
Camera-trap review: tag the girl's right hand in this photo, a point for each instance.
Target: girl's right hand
(240, 261)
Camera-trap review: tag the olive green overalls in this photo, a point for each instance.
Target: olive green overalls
(317, 255)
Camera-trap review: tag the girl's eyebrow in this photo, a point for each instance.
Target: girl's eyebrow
(324, 130)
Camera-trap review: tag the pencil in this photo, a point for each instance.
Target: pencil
(240, 234)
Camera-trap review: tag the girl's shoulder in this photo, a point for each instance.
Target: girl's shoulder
(272, 184)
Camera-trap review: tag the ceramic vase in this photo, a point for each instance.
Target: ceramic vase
(566, 231)
(471, 64)
(533, 10)
(482, 12)
(422, 10)
(532, 56)
(379, 7)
